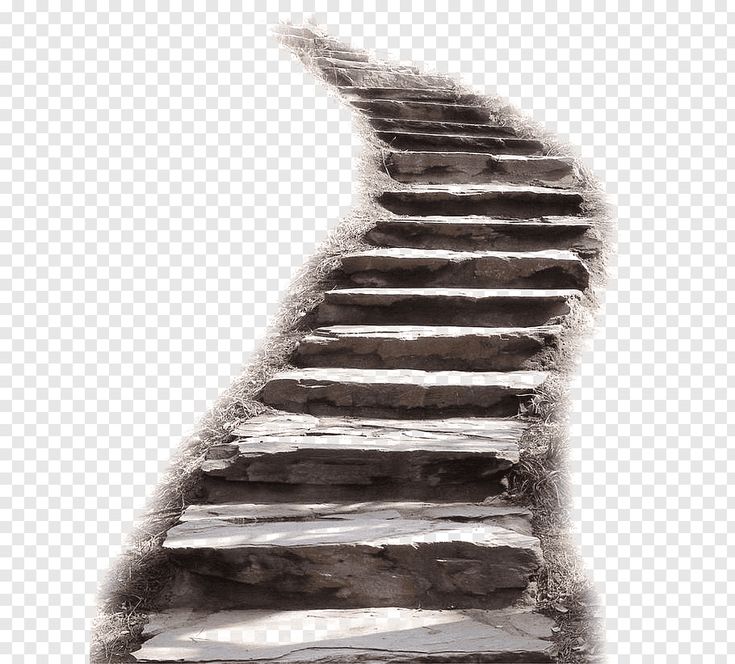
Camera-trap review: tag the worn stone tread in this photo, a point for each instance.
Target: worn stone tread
(400, 392)
(430, 110)
(348, 636)
(329, 62)
(482, 307)
(415, 94)
(448, 142)
(486, 233)
(401, 555)
(347, 78)
(404, 267)
(498, 200)
(432, 348)
(478, 168)
(401, 126)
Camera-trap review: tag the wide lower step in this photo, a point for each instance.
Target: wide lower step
(431, 348)
(413, 94)
(348, 636)
(478, 168)
(474, 307)
(490, 200)
(484, 233)
(435, 111)
(338, 459)
(328, 556)
(473, 269)
(400, 392)
(441, 142)
(435, 127)
(362, 78)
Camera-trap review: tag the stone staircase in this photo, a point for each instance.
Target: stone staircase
(365, 518)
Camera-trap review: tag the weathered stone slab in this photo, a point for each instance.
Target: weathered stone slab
(348, 636)
(406, 140)
(413, 126)
(361, 464)
(366, 558)
(432, 348)
(477, 168)
(489, 200)
(443, 306)
(438, 94)
(400, 392)
(472, 233)
(345, 77)
(406, 267)
(325, 63)
(424, 110)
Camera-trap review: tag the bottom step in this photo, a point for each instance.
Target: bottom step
(348, 636)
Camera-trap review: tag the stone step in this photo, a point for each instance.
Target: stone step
(504, 201)
(478, 168)
(431, 348)
(404, 267)
(417, 94)
(356, 56)
(250, 556)
(365, 78)
(442, 306)
(348, 636)
(487, 233)
(405, 125)
(406, 140)
(352, 461)
(435, 111)
(400, 393)
(329, 63)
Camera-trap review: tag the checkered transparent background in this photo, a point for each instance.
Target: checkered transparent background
(163, 174)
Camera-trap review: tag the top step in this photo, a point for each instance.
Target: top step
(365, 78)
(330, 63)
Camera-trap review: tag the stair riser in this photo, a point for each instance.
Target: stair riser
(447, 143)
(401, 401)
(508, 205)
(479, 273)
(333, 476)
(418, 127)
(502, 237)
(463, 168)
(433, 112)
(501, 312)
(433, 575)
(498, 353)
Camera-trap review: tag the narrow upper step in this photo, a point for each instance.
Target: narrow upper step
(385, 554)
(435, 111)
(478, 168)
(431, 348)
(405, 267)
(348, 636)
(489, 200)
(444, 142)
(442, 306)
(327, 63)
(472, 233)
(400, 392)
(415, 94)
(355, 461)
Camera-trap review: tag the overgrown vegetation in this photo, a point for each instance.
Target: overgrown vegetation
(136, 584)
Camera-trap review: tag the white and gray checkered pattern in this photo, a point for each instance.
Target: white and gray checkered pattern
(164, 172)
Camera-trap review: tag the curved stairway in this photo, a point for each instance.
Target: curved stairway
(365, 518)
